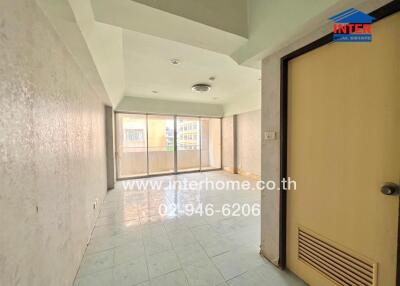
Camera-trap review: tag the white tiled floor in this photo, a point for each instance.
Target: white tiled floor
(133, 245)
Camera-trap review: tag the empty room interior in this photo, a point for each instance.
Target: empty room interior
(199, 143)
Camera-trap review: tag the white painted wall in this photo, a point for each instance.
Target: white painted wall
(208, 12)
(147, 105)
(134, 16)
(52, 152)
(275, 22)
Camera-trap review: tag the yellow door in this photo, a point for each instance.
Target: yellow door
(343, 144)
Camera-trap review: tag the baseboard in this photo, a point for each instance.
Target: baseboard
(229, 169)
(249, 175)
(242, 173)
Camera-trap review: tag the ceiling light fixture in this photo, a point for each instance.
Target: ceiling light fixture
(175, 61)
(154, 91)
(201, 87)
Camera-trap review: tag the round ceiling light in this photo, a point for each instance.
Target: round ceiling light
(201, 87)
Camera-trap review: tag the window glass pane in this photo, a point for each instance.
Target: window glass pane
(188, 143)
(161, 144)
(131, 141)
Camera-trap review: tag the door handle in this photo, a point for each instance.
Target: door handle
(390, 189)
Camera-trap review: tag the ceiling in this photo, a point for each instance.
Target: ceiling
(125, 46)
(148, 68)
(153, 35)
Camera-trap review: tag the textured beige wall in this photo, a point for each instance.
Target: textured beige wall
(213, 150)
(52, 152)
(270, 121)
(249, 143)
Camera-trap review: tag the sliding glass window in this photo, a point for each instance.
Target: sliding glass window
(131, 143)
(161, 144)
(188, 143)
(166, 144)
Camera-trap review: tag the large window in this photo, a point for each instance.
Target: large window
(188, 143)
(162, 144)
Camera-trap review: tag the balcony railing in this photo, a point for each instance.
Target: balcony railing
(132, 161)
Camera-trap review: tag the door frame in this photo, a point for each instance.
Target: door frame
(380, 13)
(109, 138)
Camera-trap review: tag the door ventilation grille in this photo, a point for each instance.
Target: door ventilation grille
(336, 264)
